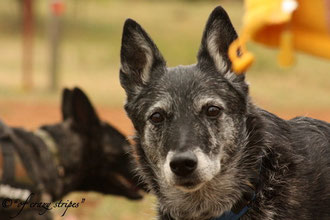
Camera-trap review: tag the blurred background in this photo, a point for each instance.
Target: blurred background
(46, 45)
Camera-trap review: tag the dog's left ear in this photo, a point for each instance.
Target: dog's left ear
(83, 113)
(66, 106)
(219, 33)
(140, 58)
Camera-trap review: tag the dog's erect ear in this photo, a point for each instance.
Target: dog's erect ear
(66, 106)
(83, 114)
(219, 33)
(140, 58)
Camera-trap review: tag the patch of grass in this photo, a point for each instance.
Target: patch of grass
(100, 207)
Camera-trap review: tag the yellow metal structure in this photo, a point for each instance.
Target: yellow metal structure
(287, 24)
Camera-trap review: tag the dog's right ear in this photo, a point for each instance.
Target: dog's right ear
(66, 106)
(218, 34)
(140, 58)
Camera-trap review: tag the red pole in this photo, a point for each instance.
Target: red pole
(27, 44)
(57, 7)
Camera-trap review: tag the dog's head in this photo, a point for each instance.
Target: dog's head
(106, 164)
(190, 120)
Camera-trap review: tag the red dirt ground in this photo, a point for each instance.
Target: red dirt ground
(32, 115)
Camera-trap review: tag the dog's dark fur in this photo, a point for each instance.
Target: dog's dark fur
(93, 155)
(204, 111)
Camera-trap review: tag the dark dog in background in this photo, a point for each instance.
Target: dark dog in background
(82, 153)
(206, 150)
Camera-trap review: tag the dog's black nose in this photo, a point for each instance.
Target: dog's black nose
(183, 164)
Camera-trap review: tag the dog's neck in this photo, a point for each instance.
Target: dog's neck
(212, 200)
(67, 149)
(52, 148)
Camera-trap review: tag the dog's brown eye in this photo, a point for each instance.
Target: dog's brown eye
(156, 118)
(213, 111)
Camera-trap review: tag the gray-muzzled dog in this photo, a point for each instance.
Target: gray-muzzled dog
(206, 150)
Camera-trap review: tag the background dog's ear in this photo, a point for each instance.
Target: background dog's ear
(83, 114)
(219, 33)
(140, 58)
(66, 106)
